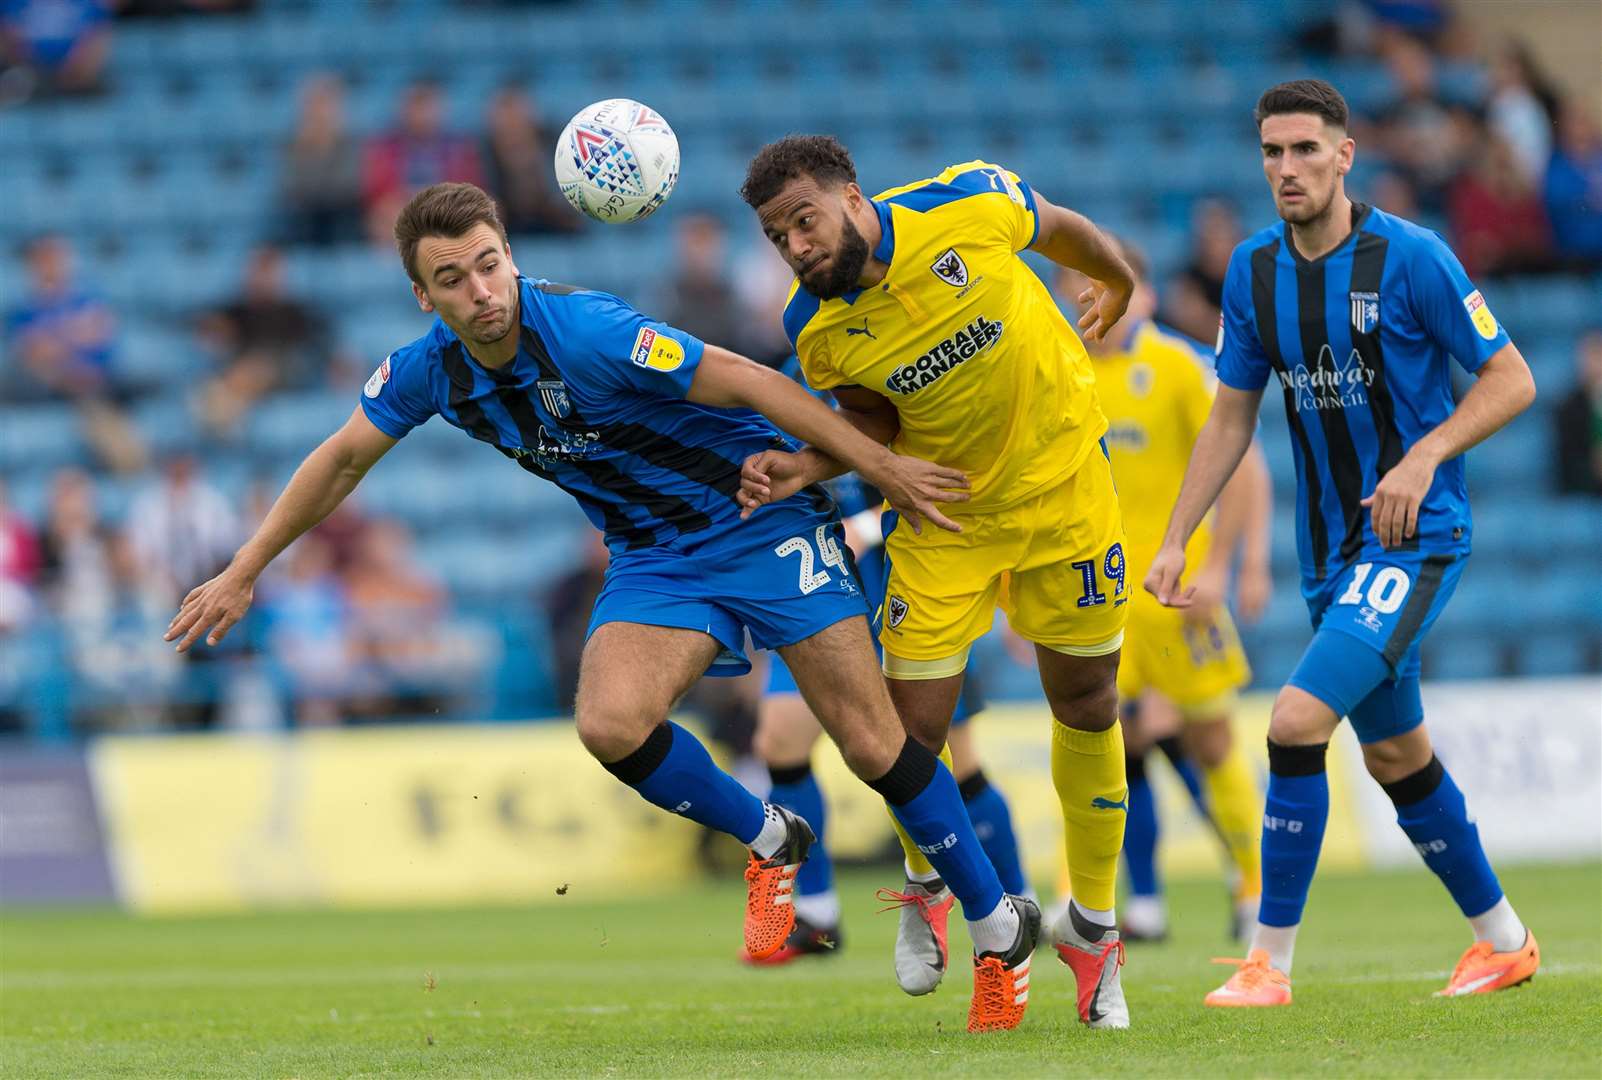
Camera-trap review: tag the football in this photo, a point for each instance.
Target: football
(617, 161)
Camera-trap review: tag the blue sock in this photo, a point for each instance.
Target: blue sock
(673, 770)
(796, 789)
(992, 824)
(1140, 831)
(1293, 829)
(1431, 811)
(923, 796)
(1186, 768)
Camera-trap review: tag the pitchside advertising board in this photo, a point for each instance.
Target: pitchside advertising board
(520, 813)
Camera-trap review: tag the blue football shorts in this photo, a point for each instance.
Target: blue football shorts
(1368, 622)
(783, 575)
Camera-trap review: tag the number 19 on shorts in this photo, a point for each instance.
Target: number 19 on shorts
(1112, 569)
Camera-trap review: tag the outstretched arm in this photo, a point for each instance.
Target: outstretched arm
(328, 474)
(1070, 239)
(912, 486)
(1218, 450)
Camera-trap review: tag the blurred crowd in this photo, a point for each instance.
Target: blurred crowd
(349, 624)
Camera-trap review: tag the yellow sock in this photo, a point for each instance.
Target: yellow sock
(917, 862)
(1087, 769)
(1237, 809)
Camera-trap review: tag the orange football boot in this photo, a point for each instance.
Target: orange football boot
(769, 885)
(1255, 983)
(1001, 982)
(1482, 970)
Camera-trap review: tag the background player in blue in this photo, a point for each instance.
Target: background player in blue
(786, 735)
(1354, 314)
(647, 428)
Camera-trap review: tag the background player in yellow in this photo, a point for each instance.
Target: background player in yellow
(914, 308)
(1156, 391)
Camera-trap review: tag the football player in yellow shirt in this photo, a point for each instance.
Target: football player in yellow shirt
(1157, 391)
(916, 310)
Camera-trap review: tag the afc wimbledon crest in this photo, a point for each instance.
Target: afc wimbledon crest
(553, 395)
(1365, 312)
(950, 268)
(895, 610)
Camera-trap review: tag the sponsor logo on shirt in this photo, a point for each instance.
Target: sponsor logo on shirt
(378, 379)
(959, 348)
(555, 446)
(657, 351)
(1330, 385)
(1484, 321)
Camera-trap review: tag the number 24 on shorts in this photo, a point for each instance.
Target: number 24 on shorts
(1112, 568)
(811, 577)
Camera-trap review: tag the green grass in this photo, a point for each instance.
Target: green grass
(652, 988)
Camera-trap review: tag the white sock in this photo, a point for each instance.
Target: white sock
(819, 909)
(773, 834)
(996, 931)
(923, 878)
(1279, 941)
(1096, 915)
(1500, 926)
(1147, 914)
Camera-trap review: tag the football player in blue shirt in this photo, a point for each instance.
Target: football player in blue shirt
(647, 428)
(1356, 315)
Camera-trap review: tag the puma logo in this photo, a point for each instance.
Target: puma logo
(863, 329)
(1107, 804)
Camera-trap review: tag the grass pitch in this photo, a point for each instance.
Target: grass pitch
(651, 987)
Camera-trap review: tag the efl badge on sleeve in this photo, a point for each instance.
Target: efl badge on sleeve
(378, 379)
(657, 351)
(1365, 312)
(1484, 321)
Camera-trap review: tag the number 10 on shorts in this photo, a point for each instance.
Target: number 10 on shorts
(812, 578)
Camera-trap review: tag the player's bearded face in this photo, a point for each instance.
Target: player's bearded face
(1303, 159)
(839, 275)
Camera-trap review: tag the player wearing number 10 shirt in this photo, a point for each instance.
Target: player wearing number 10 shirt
(647, 427)
(1356, 316)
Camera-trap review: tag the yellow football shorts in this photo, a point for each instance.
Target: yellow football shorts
(1199, 666)
(1054, 563)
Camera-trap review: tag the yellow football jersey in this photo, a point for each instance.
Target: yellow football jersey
(963, 338)
(1156, 394)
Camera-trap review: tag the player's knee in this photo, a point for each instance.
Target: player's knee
(1090, 707)
(1389, 760)
(870, 750)
(1300, 719)
(777, 742)
(1208, 741)
(611, 734)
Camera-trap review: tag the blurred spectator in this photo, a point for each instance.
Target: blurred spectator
(1522, 108)
(418, 153)
(1193, 298)
(1419, 130)
(307, 633)
(77, 573)
(762, 284)
(52, 47)
(1577, 423)
(61, 345)
(568, 602)
(1574, 187)
(1498, 224)
(322, 187)
(183, 530)
(125, 675)
(700, 298)
(19, 566)
(1394, 195)
(517, 155)
(264, 340)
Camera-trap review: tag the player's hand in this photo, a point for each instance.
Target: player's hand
(1254, 586)
(215, 606)
(1206, 593)
(1393, 508)
(769, 477)
(1162, 580)
(915, 488)
(1103, 305)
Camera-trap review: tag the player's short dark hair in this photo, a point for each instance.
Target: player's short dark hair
(822, 157)
(1303, 96)
(447, 210)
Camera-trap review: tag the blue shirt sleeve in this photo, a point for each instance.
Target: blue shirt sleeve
(615, 348)
(1449, 309)
(396, 397)
(1241, 362)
